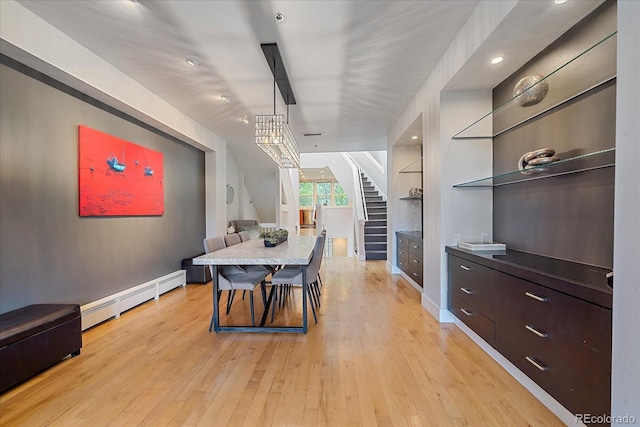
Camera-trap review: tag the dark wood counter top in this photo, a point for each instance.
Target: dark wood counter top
(583, 281)
(411, 234)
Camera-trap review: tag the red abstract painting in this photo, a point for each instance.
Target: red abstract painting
(118, 177)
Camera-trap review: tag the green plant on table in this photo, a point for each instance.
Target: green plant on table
(276, 236)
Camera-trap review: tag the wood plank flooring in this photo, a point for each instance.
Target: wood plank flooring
(375, 358)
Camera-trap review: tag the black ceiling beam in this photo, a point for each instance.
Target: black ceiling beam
(272, 54)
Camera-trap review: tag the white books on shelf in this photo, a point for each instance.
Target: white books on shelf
(478, 246)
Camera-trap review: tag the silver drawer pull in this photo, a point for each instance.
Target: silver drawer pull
(466, 291)
(535, 297)
(415, 247)
(464, 267)
(416, 274)
(467, 312)
(415, 260)
(535, 363)
(535, 331)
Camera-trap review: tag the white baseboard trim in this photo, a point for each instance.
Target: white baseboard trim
(442, 315)
(113, 305)
(545, 398)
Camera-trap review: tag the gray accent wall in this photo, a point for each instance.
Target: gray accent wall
(568, 217)
(48, 253)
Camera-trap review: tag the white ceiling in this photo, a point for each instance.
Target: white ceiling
(354, 66)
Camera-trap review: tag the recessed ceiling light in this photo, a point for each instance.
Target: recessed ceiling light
(225, 98)
(497, 60)
(561, 1)
(244, 120)
(193, 62)
(414, 137)
(279, 17)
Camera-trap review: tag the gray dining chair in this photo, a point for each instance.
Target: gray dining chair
(232, 278)
(244, 236)
(232, 239)
(292, 276)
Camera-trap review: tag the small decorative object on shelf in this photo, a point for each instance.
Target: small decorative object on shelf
(530, 90)
(535, 159)
(415, 192)
(274, 238)
(231, 230)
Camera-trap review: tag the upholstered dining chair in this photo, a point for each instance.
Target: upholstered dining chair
(244, 236)
(234, 239)
(292, 276)
(232, 278)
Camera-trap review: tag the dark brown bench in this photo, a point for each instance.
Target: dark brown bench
(35, 337)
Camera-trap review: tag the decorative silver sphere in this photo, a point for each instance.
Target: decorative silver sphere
(530, 90)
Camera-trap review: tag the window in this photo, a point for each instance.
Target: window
(339, 196)
(329, 193)
(306, 194)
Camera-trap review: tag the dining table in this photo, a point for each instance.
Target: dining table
(295, 251)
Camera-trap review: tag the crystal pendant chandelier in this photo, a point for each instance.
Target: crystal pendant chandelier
(273, 134)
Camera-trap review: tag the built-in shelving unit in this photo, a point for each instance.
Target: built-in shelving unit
(413, 167)
(411, 198)
(582, 163)
(568, 74)
(564, 75)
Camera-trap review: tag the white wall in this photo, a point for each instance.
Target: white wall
(625, 393)
(339, 224)
(480, 25)
(372, 168)
(467, 212)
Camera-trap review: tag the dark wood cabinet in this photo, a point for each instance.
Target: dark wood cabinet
(409, 254)
(560, 341)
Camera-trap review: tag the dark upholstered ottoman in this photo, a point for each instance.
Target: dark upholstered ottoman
(196, 273)
(35, 337)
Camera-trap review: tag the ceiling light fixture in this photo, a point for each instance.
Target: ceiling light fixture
(244, 120)
(497, 60)
(414, 137)
(279, 17)
(193, 62)
(560, 1)
(273, 134)
(226, 98)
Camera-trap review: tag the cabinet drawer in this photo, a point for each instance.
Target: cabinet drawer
(403, 258)
(522, 301)
(469, 271)
(415, 274)
(403, 243)
(403, 263)
(480, 324)
(415, 262)
(572, 393)
(586, 364)
(415, 248)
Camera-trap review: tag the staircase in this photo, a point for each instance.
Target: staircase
(375, 229)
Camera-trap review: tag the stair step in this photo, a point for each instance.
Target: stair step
(375, 230)
(373, 198)
(375, 255)
(376, 210)
(376, 223)
(371, 238)
(375, 246)
(377, 204)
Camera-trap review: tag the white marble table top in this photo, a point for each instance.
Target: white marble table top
(296, 250)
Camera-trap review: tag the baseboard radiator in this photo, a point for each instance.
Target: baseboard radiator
(114, 305)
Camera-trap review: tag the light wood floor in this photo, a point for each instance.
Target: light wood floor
(375, 358)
